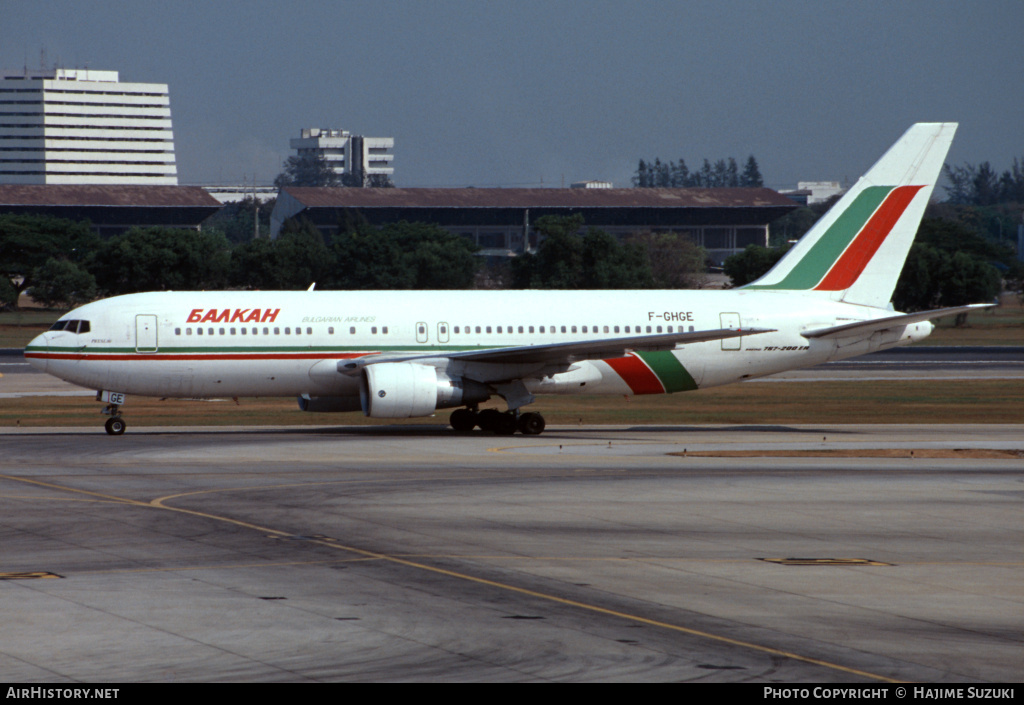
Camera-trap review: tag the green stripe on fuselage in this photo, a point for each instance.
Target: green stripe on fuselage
(669, 370)
(825, 252)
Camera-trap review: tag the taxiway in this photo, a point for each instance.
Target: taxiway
(589, 554)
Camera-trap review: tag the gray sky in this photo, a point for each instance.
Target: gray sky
(530, 93)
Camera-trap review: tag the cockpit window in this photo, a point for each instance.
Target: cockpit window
(71, 326)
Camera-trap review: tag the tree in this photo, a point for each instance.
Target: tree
(156, 259)
(724, 173)
(567, 260)
(935, 278)
(401, 255)
(62, 284)
(298, 258)
(750, 265)
(307, 170)
(980, 185)
(235, 220)
(751, 176)
(28, 241)
(675, 261)
(558, 262)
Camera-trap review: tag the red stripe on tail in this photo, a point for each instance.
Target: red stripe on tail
(849, 266)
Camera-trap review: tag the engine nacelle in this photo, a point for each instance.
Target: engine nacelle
(401, 390)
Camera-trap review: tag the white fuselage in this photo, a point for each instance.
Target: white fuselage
(207, 344)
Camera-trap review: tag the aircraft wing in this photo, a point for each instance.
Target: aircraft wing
(562, 353)
(890, 322)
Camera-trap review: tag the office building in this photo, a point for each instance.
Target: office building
(79, 126)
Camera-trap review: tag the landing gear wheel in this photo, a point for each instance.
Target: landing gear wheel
(531, 424)
(463, 420)
(488, 419)
(115, 425)
(505, 424)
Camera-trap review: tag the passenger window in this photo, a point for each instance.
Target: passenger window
(352, 330)
(233, 331)
(659, 329)
(616, 329)
(542, 329)
(478, 329)
(573, 329)
(563, 329)
(199, 331)
(584, 329)
(384, 330)
(177, 331)
(209, 331)
(648, 329)
(288, 331)
(309, 331)
(531, 329)
(188, 331)
(277, 331)
(330, 330)
(691, 329)
(373, 330)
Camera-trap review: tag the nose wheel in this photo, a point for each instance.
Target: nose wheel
(115, 425)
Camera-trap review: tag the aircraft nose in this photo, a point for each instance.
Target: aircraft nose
(37, 345)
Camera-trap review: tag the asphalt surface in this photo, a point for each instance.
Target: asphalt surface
(588, 554)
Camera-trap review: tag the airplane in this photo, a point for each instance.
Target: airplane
(403, 354)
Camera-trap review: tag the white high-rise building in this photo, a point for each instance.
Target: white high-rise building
(347, 153)
(78, 126)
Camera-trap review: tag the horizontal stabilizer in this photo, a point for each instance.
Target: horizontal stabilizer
(903, 319)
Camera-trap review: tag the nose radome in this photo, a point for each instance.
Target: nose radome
(34, 347)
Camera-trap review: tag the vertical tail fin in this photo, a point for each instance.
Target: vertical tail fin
(856, 251)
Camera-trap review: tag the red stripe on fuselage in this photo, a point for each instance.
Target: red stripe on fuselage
(636, 374)
(859, 252)
(143, 357)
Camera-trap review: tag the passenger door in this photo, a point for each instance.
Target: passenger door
(731, 321)
(146, 334)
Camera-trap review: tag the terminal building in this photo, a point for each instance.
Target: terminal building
(499, 220)
(79, 126)
(112, 210)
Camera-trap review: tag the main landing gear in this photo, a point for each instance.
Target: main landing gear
(501, 423)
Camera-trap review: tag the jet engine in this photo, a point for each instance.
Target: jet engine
(399, 390)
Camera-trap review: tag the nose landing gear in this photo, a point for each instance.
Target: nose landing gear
(115, 425)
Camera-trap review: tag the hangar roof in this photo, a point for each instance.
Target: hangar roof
(537, 197)
(112, 196)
